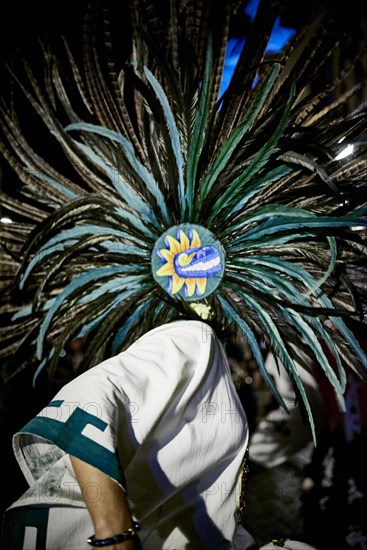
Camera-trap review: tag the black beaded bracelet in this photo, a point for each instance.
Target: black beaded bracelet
(116, 539)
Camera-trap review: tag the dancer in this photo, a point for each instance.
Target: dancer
(166, 201)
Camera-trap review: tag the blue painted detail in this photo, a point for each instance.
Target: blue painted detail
(200, 265)
(68, 436)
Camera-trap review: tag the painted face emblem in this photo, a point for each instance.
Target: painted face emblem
(190, 263)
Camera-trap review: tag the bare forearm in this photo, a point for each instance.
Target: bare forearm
(106, 503)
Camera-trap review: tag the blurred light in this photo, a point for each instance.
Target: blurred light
(279, 36)
(6, 220)
(278, 39)
(348, 150)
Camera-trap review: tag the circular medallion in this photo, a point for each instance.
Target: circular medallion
(188, 262)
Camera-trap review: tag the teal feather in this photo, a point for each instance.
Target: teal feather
(27, 310)
(281, 351)
(227, 149)
(311, 338)
(273, 284)
(63, 238)
(125, 191)
(57, 262)
(69, 195)
(253, 343)
(348, 335)
(132, 321)
(93, 275)
(325, 337)
(289, 269)
(270, 227)
(45, 251)
(269, 212)
(175, 137)
(230, 197)
(139, 168)
(303, 276)
(94, 323)
(200, 126)
(42, 366)
(122, 249)
(292, 270)
(258, 184)
(113, 284)
(330, 269)
(135, 222)
(62, 241)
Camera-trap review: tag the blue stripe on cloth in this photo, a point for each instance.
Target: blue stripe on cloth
(67, 435)
(15, 522)
(56, 403)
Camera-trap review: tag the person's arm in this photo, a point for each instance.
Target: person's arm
(106, 503)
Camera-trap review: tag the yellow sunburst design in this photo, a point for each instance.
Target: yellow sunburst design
(168, 269)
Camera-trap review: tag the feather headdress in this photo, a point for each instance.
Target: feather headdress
(169, 194)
